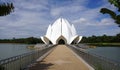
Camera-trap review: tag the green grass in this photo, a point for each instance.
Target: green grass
(31, 47)
(105, 44)
(98, 67)
(2, 68)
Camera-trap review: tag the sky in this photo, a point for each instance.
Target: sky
(32, 17)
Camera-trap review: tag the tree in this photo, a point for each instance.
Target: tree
(6, 8)
(29, 40)
(101, 39)
(113, 14)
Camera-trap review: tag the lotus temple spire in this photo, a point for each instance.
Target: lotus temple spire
(61, 32)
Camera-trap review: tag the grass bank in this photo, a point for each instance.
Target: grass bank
(105, 44)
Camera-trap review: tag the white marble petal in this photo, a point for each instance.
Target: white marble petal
(61, 30)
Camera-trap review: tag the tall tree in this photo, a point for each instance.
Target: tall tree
(6, 8)
(113, 14)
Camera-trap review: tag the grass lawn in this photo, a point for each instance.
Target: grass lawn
(105, 44)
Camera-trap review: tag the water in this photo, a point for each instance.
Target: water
(9, 50)
(112, 53)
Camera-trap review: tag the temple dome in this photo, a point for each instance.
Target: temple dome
(61, 32)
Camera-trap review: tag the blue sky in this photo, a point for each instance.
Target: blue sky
(32, 17)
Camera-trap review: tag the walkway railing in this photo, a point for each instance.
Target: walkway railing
(21, 62)
(96, 61)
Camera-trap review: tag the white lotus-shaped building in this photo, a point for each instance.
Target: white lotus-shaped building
(61, 32)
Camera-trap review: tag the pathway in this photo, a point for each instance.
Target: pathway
(61, 58)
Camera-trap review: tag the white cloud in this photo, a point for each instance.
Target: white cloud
(79, 21)
(102, 22)
(106, 21)
(31, 18)
(66, 9)
(25, 21)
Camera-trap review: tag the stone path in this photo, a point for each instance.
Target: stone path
(61, 58)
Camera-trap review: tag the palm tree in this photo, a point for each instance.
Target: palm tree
(113, 14)
(6, 8)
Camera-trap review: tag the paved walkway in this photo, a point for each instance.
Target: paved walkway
(61, 58)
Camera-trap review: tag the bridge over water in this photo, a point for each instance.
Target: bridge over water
(58, 57)
(61, 58)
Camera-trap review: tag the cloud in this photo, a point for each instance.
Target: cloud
(106, 21)
(80, 21)
(66, 9)
(25, 21)
(69, 7)
(31, 18)
(102, 22)
(87, 27)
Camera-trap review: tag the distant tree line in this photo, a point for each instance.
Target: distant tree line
(91, 39)
(30, 40)
(101, 39)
